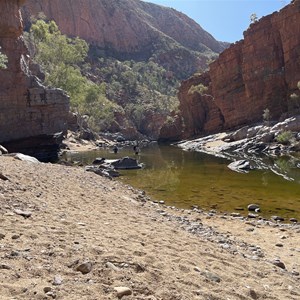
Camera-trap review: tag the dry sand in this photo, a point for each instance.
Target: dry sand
(127, 241)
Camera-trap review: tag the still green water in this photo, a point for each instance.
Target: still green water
(184, 179)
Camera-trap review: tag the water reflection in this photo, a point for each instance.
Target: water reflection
(184, 179)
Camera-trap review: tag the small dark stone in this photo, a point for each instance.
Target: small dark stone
(277, 218)
(278, 263)
(293, 220)
(14, 253)
(3, 177)
(252, 216)
(98, 161)
(4, 267)
(85, 267)
(2, 236)
(253, 207)
(47, 289)
(253, 294)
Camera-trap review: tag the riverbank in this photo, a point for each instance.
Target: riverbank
(58, 222)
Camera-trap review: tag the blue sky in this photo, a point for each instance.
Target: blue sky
(224, 19)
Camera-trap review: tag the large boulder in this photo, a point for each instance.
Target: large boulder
(241, 166)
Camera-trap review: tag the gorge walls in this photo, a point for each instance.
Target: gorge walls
(30, 114)
(130, 29)
(261, 71)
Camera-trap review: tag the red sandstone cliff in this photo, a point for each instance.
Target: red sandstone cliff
(27, 109)
(261, 71)
(132, 29)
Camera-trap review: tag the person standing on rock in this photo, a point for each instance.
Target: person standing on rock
(136, 149)
(115, 149)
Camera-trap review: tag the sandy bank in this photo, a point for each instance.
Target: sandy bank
(156, 252)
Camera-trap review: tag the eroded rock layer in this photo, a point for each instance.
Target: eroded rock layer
(261, 71)
(27, 109)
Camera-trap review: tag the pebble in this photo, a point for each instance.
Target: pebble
(254, 257)
(122, 291)
(253, 294)
(295, 273)
(250, 229)
(252, 216)
(253, 207)
(4, 267)
(112, 266)
(51, 294)
(23, 213)
(279, 245)
(293, 220)
(57, 280)
(3, 177)
(2, 236)
(277, 218)
(235, 215)
(85, 267)
(225, 246)
(278, 263)
(211, 276)
(47, 289)
(15, 237)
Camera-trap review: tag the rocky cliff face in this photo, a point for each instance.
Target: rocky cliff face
(132, 29)
(28, 110)
(261, 71)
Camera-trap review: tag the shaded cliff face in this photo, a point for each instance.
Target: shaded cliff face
(132, 29)
(27, 109)
(261, 71)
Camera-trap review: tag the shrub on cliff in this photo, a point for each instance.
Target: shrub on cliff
(200, 89)
(285, 137)
(3, 60)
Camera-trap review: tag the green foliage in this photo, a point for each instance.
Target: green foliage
(3, 60)
(266, 115)
(285, 137)
(294, 101)
(138, 87)
(253, 18)
(132, 88)
(200, 89)
(62, 58)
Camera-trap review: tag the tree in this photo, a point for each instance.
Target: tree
(61, 58)
(267, 115)
(3, 60)
(253, 18)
